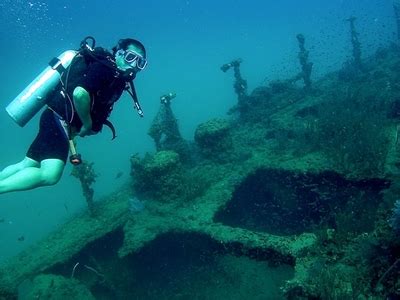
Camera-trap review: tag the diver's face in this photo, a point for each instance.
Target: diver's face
(131, 58)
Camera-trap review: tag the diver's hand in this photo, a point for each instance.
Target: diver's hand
(85, 131)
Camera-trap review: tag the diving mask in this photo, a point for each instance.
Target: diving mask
(133, 59)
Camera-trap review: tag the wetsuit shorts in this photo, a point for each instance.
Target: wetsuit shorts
(51, 142)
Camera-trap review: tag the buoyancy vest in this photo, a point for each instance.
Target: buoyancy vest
(102, 100)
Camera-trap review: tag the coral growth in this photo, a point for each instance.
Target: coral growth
(213, 139)
(87, 176)
(306, 66)
(159, 176)
(357, 62)
(164, 130)
(53, 287)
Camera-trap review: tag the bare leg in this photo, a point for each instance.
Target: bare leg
(30, 175)
(12, 169)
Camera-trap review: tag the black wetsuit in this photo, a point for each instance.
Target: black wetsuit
(104, 89)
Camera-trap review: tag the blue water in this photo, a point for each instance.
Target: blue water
(187, 42)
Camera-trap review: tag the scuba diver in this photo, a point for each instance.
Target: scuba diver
(79, 89)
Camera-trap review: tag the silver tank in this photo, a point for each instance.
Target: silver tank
(28, 103)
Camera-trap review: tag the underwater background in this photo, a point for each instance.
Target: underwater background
(186, 42)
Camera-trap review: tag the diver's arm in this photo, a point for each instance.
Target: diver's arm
(82, 105)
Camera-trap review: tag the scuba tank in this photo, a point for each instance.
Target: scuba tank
(28, 103)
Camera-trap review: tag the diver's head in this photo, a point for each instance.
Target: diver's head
(130, 54)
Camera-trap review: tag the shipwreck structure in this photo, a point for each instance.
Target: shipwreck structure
(300, 187)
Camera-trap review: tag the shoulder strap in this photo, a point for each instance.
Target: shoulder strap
(112, 128)
(135, 99)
